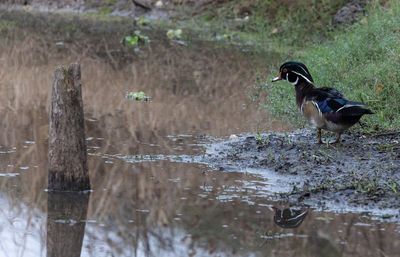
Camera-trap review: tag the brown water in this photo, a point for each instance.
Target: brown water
(150, 196)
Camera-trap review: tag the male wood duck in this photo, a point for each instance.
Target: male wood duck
(289, 217)
(324, 107)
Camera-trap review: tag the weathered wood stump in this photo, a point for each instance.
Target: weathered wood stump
(66, 215)
(67, 145)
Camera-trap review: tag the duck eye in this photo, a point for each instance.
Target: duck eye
(284, 70)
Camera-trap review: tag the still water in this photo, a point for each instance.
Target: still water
(145, 201)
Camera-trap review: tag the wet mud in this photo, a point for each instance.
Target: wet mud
(361, 174)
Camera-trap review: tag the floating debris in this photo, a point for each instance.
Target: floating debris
(278, 236)
(142, 21)
(135, 39)
(70, 222)
(90, 221)
(138, 96)
(174, 34)
(8, 151)
(60, 45)
(9, 174)
(159, 4)
(143, 210)
(233, 136)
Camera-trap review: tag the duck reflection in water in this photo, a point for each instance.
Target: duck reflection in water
(289, 217)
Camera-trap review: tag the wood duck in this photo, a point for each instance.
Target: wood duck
(289, 217)
(324, 107)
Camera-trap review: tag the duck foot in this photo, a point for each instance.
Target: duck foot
(319, 135)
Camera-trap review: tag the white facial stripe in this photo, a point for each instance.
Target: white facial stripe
(294, 83)
(302, 106)
(316, 106)
(303, 77)
(349, 105)
(304, 70)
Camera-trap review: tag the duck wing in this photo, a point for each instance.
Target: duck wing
(323, 93)
(335, 108)
(342, 106)
(332, 91)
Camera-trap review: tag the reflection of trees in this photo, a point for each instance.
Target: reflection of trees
(192, 88)
(157, 200)
(23, 139)
(204, 219)
(149, 195)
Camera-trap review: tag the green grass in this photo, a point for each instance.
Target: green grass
(362, 61)
(6, 25)
(268, 25)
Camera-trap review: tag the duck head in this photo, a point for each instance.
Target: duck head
(294, 73)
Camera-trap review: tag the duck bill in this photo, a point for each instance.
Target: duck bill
(277, 78)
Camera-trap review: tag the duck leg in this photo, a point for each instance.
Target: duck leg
(337, 138)
(319, 135)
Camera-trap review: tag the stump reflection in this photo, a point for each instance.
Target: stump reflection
(66, 223)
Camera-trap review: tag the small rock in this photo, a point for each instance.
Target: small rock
(350, 13)
(233, 137)
(159, 4)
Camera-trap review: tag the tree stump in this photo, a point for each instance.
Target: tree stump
(67, 144)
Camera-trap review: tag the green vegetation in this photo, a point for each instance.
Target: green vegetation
(138, 96)
(135, 39)
(361, 61)
(370, 186)
(394, 186)
(174, 34)
(6, 25)
(105, 10)
(268, 25)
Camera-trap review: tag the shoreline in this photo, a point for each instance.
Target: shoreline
(360, 174)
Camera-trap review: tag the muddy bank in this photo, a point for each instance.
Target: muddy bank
(361, 174)
(153, 9)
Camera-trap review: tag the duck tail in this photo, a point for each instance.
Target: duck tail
(368, 111)
(357, 110)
